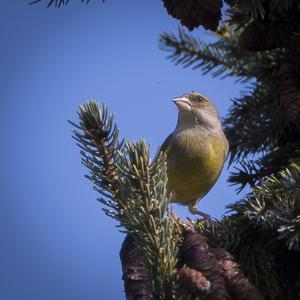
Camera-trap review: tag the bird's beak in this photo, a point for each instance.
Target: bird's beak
(183, 103)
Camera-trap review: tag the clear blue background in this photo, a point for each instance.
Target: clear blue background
(56, 244)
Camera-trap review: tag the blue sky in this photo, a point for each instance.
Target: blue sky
(56, 242)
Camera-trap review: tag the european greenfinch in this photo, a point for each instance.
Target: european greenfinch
(196, 150)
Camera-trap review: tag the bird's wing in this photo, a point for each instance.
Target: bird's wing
(164, 147)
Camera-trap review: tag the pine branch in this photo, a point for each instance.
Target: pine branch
(287, 185)
(252, 171)
(190, 51)
(253, 123)
(257, 126)
(263, 232)
(222, 58)
(134, 189)
(58, 3)
(154, 233)
(282, 5)
(97, 137)
(259, 42)
(253, 8)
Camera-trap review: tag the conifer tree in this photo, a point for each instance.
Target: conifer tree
(258, 43)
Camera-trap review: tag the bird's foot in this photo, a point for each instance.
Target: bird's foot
(180, 222)
(206, 219)
(193, 210)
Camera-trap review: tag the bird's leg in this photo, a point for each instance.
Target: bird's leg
(207, 219)
(193, 210)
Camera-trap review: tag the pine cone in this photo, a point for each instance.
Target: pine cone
(193, 13)
(212, 274)
(196, 255)
(135, 275)
(238, 285)
(193, 282)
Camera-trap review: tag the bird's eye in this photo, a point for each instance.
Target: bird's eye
(200, 98)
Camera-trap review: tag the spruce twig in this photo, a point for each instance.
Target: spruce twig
(97, 137)
(263, 232)
(134, 189)
(154, 233)
(58, 3)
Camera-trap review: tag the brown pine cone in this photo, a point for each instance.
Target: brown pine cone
(237, 284)
(193, 282)
(193, 13)
(136, 280)
(196, 255)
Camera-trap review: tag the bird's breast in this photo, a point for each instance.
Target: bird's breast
(194, 162)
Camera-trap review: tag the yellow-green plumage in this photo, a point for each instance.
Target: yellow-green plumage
(195, 151)
(194, 164)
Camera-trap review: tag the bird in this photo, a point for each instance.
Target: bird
(195, 151)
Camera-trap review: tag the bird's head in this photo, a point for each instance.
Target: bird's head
(196, 109)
